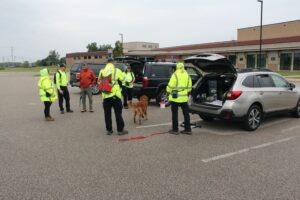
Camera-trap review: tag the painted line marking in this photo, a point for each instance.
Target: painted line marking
(164, 124)
(247, 149)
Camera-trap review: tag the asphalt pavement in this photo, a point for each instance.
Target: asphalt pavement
(73, 158)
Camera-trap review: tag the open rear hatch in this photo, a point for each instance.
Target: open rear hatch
(219, 76)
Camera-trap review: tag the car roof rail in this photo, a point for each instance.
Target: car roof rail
(247, 70)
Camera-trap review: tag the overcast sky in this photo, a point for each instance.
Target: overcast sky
(34, 27)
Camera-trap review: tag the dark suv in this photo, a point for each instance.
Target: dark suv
(96, 67)
(154, 77)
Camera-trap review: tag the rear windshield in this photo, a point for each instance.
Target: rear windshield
(161, 71)
(76, 67)
(96, 67)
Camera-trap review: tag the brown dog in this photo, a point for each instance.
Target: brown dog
(139, 108)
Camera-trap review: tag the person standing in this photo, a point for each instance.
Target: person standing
(62, 88)
(112, 95)
(127, 86)
(47, 92)
(179, 87)
(87, 79)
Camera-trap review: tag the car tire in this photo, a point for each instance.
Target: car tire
(206, 118)
(253, 118)
(296, 110)
(95, 89)
(162, 97)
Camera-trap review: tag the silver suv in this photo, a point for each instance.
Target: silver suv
(249, 95)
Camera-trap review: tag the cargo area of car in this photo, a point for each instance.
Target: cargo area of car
(212, 91)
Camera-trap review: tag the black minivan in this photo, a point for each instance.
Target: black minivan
(96, 67)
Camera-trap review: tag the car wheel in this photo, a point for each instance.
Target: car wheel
(162, 97)
(95, 89)
(253, 118)
(206, 118)
(296, 112)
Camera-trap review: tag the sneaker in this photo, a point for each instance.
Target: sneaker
(175, 132)
(70, 111)
(188, 132)
(124, 132)
(83, 110)
(62, 112)
(109, 132)
(91, 110)
(49, 119)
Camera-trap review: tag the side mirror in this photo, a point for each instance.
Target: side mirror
(292, 86)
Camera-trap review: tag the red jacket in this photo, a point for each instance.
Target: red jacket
(86, 78)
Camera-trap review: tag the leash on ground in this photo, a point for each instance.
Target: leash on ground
(141, 137)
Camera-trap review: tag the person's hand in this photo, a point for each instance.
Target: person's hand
(61, 92)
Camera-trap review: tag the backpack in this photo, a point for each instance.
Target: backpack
(105, 83)
(54, 77)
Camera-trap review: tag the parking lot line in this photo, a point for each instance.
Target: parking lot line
(247, 149)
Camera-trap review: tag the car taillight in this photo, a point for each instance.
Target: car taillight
(77, 75)
(232, 95)
(145, 81)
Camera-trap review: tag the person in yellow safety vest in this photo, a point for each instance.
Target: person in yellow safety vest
(62, 87)
(179, 87)
(113, 98)
(127, 86)
(47, 92)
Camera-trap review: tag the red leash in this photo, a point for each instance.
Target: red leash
(140, 137)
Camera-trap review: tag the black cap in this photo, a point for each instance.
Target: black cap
(110, 59)
(62, 65)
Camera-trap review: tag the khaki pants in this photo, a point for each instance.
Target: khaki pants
(88, 92)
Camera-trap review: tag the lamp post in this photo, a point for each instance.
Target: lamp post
(260, 38)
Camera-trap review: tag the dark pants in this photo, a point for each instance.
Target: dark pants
(127, 94)
(185, 111)
(116, 104)
(63, 96)
(47, 108)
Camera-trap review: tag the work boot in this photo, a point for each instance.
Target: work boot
(62, 112)
(124, 132)
(109, 132)
(51, 118)
(174, 132)
(70, 111)
(188, 132)
(48, 119)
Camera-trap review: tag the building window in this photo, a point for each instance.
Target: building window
(232, 59)
(285, 61)
(85, 57)
(251, 61)
(144, 46)
(96, 57)
(241, 59)
(89, 57)
(273, 58)
(149, 46)
(297, 61)
(75, 58)
(263, 61)
(78, 58)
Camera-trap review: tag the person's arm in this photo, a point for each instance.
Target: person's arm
(58, 81)
(171, 84)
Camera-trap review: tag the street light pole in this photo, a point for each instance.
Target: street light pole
(261, 20)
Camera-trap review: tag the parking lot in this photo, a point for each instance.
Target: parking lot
(73, 158)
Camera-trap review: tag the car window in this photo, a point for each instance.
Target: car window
(249, 82)
(160, 71)
(279, 82)
(255, 82)
(76, 67)
(191, 71)
(265, 80)
(96, 68)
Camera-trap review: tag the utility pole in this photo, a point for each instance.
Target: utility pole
(260, 38)
(12, 54)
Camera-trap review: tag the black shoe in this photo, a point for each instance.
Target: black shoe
(125, 107)
(188, 132)
(174, 132)
(62, 112)
(109, 132)
(124, 132)
(70, 111)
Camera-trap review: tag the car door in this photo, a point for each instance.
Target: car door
(287, 98)
(268, 93)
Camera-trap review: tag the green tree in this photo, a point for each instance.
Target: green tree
(104, 47)
(26, 64)
(62, 60)
(53, 58)
(92, 47)
(118, 50)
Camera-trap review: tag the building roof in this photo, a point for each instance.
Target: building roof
(287, 22)
(233, 43)
(96, 53)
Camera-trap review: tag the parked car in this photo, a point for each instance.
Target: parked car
(96, 67)
(153, 79)
(248, 96)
